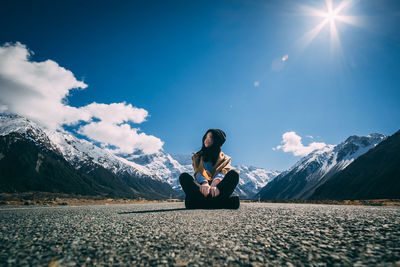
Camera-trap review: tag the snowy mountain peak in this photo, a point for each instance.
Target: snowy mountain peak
(365, 140)
(12, 123)
(170, 167)
(317, 156)
(348, 150)
(317, 167)
(76, 151)
(354, 146)
(160, 166)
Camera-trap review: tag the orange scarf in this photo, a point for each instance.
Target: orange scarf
(223, 164)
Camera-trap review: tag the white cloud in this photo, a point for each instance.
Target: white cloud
(36, 89)
(116, 112)
(125, 138)
(256, 83)
(291, 142)
(39, 91)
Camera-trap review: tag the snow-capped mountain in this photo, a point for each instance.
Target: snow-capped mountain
(183, 159)
(301, 180)
(373, 175)
(157, 174)
(10, 123)
(161, 164)
(252, 179)
(109, 172)
(80, 152)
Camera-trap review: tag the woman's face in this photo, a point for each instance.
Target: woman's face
(208, 141)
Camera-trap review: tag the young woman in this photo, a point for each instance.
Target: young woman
(214, 180)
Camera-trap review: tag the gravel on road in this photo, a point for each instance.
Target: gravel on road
(166, 234)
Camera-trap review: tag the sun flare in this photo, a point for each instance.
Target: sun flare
(330, 15)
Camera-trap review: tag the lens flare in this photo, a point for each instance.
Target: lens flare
(330, 16)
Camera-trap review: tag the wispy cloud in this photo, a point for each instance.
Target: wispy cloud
(291, 142)
(39, 91)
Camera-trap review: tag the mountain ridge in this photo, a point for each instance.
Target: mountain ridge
(106, 173)
(100, 163)
(314, 169)
(373, 175)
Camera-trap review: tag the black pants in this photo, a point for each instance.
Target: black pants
(192, 188)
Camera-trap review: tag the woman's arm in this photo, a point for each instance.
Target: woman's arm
(215, 182)
(213, 187)
(217, 179)
(200, 178)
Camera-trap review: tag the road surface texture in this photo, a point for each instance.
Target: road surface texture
(166, 234)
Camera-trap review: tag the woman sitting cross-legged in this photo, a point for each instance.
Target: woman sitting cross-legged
(214, 180)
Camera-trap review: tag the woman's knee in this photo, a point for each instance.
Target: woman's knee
(184, 176)
(234, 174)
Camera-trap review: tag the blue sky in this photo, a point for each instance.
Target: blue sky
(240, 66)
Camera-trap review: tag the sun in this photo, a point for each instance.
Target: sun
(329, 15)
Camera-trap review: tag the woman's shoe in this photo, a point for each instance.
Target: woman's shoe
(190, 203)
(233, 202)
(196, 204)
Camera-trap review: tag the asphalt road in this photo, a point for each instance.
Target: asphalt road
(257, 234)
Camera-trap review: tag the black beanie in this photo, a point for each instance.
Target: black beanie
(219, 136)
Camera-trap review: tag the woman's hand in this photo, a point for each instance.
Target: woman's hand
(214, 191)
(205, 189)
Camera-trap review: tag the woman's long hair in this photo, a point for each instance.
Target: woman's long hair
(209, 153)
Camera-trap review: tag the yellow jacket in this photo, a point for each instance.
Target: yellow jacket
(223, 164)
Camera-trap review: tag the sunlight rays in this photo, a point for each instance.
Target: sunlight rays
(330, 16)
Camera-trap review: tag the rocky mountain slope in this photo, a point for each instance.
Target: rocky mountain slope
(313, 170)
(373, 175)
(32, 158)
